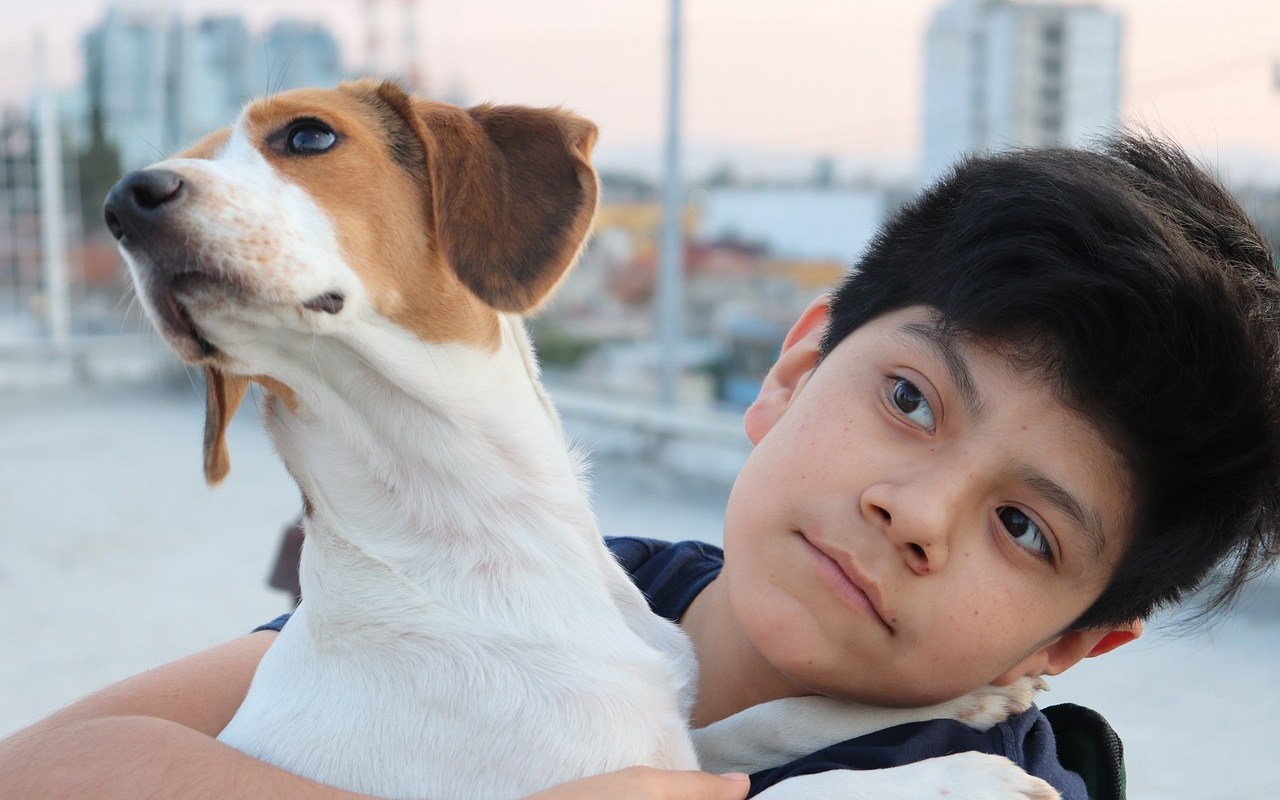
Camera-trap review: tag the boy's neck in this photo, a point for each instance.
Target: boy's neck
(732, 675)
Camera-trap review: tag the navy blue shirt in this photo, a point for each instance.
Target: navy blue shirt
(672, 575)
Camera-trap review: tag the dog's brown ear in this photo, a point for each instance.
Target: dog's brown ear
(223, 394)
(512, 193)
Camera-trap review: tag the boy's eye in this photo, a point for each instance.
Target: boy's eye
(1023, 530)
(911, 402)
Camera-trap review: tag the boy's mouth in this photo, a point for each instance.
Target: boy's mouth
(840, 573)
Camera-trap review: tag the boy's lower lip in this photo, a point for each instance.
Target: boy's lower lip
(843, 586)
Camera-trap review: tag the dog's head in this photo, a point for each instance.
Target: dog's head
(320, 208)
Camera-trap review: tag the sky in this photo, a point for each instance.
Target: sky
(804, 78)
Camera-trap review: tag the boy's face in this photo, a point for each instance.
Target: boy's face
(917, 519)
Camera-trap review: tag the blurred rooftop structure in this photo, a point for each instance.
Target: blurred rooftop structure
(157, 82)
(1002, 74)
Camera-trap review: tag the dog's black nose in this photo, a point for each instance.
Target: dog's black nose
(141, 198)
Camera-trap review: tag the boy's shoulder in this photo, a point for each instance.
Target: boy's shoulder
(669, 574)
(633, 552)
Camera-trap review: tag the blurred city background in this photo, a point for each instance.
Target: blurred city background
(799, 127)
(802, 129)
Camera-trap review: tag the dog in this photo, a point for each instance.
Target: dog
(366, 256)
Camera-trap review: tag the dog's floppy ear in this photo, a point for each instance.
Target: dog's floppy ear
(223, 394)
(512, 193)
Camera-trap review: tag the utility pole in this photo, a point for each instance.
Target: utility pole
(53, 234)
(671, 272)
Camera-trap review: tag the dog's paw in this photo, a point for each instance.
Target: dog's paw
(962, 776)
(981, 776)
(990, 705)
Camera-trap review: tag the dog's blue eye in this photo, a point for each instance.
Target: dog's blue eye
(310, 138)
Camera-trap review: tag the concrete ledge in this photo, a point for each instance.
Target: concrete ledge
(704, 446)
(126, 358)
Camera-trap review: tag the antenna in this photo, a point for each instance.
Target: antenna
(372, 38)
(411, 69)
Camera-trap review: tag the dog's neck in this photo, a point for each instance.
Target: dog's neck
(457, 479)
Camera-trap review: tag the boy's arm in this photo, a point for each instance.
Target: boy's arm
(153, 736)
(781, 731)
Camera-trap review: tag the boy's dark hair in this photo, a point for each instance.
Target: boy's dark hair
(1139, 288)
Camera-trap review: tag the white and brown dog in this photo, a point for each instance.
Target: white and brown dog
(365, 255)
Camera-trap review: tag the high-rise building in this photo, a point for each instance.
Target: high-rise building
(300, 54)
(131, 60)
(215, 77)
(1002, 74)
(157, 84)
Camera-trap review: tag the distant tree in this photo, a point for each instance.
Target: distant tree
(824, 173)
(721, 176)
(625, 187)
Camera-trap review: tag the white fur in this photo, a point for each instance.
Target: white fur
(782, 731)
(464, 632)
(963, 776)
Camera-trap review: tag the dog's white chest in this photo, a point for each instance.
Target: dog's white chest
(442, 706)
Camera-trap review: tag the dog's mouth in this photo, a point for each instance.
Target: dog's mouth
(176, 322)
(173, 298)
(327, 303)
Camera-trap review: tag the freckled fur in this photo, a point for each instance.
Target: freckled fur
(378, 212)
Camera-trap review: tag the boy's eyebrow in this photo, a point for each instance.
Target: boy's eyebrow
(1087, 519)
(957, 366)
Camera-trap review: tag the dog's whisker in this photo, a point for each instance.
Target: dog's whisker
(284, 71)
(128, 294)
(315, 359)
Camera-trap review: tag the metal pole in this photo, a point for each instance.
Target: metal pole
(671, 272)
(53, 236)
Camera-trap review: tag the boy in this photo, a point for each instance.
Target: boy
(1045, 404)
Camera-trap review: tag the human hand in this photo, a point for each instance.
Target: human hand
(647, 783)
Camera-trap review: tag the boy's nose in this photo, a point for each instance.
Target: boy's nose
(918, 526)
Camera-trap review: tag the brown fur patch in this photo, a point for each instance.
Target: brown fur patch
(446, 214)
(513, 193)
(223, 395)
(549, 193)
(402, 142)
(209, 146)
(275, 387)
(378, 211)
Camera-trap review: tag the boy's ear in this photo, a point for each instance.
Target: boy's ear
(1069, 649)
(1113, 639)
(790, 372)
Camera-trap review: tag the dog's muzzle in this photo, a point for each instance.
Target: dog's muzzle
(142, 212)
